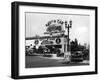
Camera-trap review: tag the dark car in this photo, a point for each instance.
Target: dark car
(30, 50)
(43, 50)
(77, 56)
(54, 50)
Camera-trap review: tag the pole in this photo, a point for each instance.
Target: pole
(68, 38)
(67, 54)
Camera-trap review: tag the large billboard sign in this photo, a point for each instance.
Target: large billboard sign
(54, 26)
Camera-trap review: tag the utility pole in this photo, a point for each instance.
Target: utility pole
(68, 26)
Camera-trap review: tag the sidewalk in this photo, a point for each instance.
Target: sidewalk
(54, 56)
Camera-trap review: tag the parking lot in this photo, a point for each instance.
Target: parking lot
(40, 61)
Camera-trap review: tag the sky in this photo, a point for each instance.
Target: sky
(35, 25)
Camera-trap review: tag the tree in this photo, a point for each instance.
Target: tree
(78, 47)
(74, 45)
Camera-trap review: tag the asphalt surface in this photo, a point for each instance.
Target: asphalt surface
(40, 61)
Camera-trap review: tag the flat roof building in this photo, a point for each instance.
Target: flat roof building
(58, 41)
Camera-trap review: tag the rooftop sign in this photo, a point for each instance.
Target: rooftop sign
(54, 26)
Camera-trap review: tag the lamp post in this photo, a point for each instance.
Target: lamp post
(67, 52)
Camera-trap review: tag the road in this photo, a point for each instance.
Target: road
(40, 61)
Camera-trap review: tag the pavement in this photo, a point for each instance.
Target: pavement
(40, 61)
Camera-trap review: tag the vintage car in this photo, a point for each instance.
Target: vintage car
(77, 56)
(30, 50)
(27, 50)
(43, 50)
(54, 50)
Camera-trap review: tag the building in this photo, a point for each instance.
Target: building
(58, 41)
(56, 36)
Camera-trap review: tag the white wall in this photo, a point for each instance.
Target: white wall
(5, 41)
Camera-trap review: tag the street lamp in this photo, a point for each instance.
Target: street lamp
(67, 26)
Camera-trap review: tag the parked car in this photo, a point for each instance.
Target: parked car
(54, 50)
(77, 56)
(60, 55)
(30, 51)
(43, 50)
